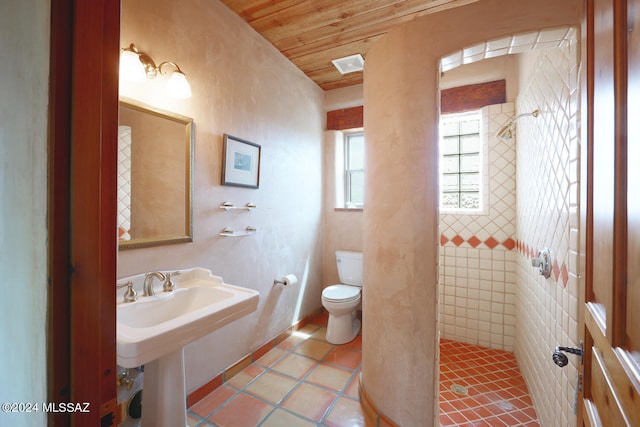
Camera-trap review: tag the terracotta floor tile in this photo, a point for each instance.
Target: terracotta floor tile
(329, 377)
(356, 344)
(494, 384)
(271, 387)
(281, 418)
(271, 357)
(241, 411)
(446, 406)
(295, 365)
(292, 342)
(213, 400)
(247, 375)
(496, 392)
(309, 401)
(320, 335)
(321, 319)
(445, 421)
(315, 349)
(509, 420)
(346, 413)
(457, 418)
(470, 415)
(192, 421)
(352, 388)
(483, 412)
(531, 412)
(344, 357)
(458, 404)
(308, 330)
(521, 416)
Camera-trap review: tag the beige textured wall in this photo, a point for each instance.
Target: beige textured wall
(244, 87)
(548, 216)
(401, 219)
(342, 228)
(24, 31)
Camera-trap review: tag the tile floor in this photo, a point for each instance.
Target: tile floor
(306, 381)
(482, 387)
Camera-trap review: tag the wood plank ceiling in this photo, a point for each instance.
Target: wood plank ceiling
(313, 32)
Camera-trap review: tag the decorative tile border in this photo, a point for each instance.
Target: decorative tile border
(474, 242)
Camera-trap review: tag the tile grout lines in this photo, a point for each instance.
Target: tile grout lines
(304, 379)
(493, 391)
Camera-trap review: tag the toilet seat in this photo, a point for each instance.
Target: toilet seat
(341, 293)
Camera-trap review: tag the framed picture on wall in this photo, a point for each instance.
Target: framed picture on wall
(241, 167)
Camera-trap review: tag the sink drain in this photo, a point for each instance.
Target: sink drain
(459, 389)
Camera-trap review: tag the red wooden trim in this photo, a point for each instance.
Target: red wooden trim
(347, 118)
(59, 139)
(96, 31)
(618, 334)
(473, 97)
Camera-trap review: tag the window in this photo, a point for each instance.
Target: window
(354, 169)
(460, 162)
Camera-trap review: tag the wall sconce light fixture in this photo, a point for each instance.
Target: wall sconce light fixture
(138, 66)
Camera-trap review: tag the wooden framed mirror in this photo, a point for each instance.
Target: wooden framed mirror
(155, 176)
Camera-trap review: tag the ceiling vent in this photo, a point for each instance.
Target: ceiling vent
(349, 64)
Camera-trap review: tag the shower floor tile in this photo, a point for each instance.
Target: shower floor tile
(482, 387)
(306, 381)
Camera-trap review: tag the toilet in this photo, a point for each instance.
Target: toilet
(342, 300)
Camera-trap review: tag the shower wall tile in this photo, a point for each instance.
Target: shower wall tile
(478, 263)
(548, 216)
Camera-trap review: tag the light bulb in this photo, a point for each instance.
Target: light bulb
(178, 86)
(131, 68)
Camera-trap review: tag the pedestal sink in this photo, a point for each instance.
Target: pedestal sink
(153, 331)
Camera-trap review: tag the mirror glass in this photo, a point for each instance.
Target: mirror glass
(155, 176)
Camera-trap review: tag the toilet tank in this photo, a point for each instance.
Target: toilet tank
(349, 267)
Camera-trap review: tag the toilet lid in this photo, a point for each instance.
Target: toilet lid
(341, 293)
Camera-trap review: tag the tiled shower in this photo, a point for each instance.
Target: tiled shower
(490, 294)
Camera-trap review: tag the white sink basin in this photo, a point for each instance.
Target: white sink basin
(158, 325)
(164, 308)
(153, 331)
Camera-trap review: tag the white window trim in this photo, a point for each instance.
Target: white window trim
(484, 165)
(340, 170)
(345, 171)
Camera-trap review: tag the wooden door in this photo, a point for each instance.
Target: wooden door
(611, 195)
(83, 120)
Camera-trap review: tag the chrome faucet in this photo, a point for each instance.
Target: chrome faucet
(148, 282)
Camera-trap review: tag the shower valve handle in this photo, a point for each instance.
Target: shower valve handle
(543, 263)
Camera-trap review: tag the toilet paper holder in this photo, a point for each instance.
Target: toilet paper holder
(287, 280)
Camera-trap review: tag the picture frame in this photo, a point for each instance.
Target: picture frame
(241, 165)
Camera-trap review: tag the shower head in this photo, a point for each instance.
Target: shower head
(506, 131)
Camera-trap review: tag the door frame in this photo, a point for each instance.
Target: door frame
(83, 117)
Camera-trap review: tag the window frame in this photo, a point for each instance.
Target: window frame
(482, 153)
(348, 172)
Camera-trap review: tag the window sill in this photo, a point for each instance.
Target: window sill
(463, 212)
(348, 209)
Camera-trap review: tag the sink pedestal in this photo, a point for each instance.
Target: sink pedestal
(164, 399)
(154, 330)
